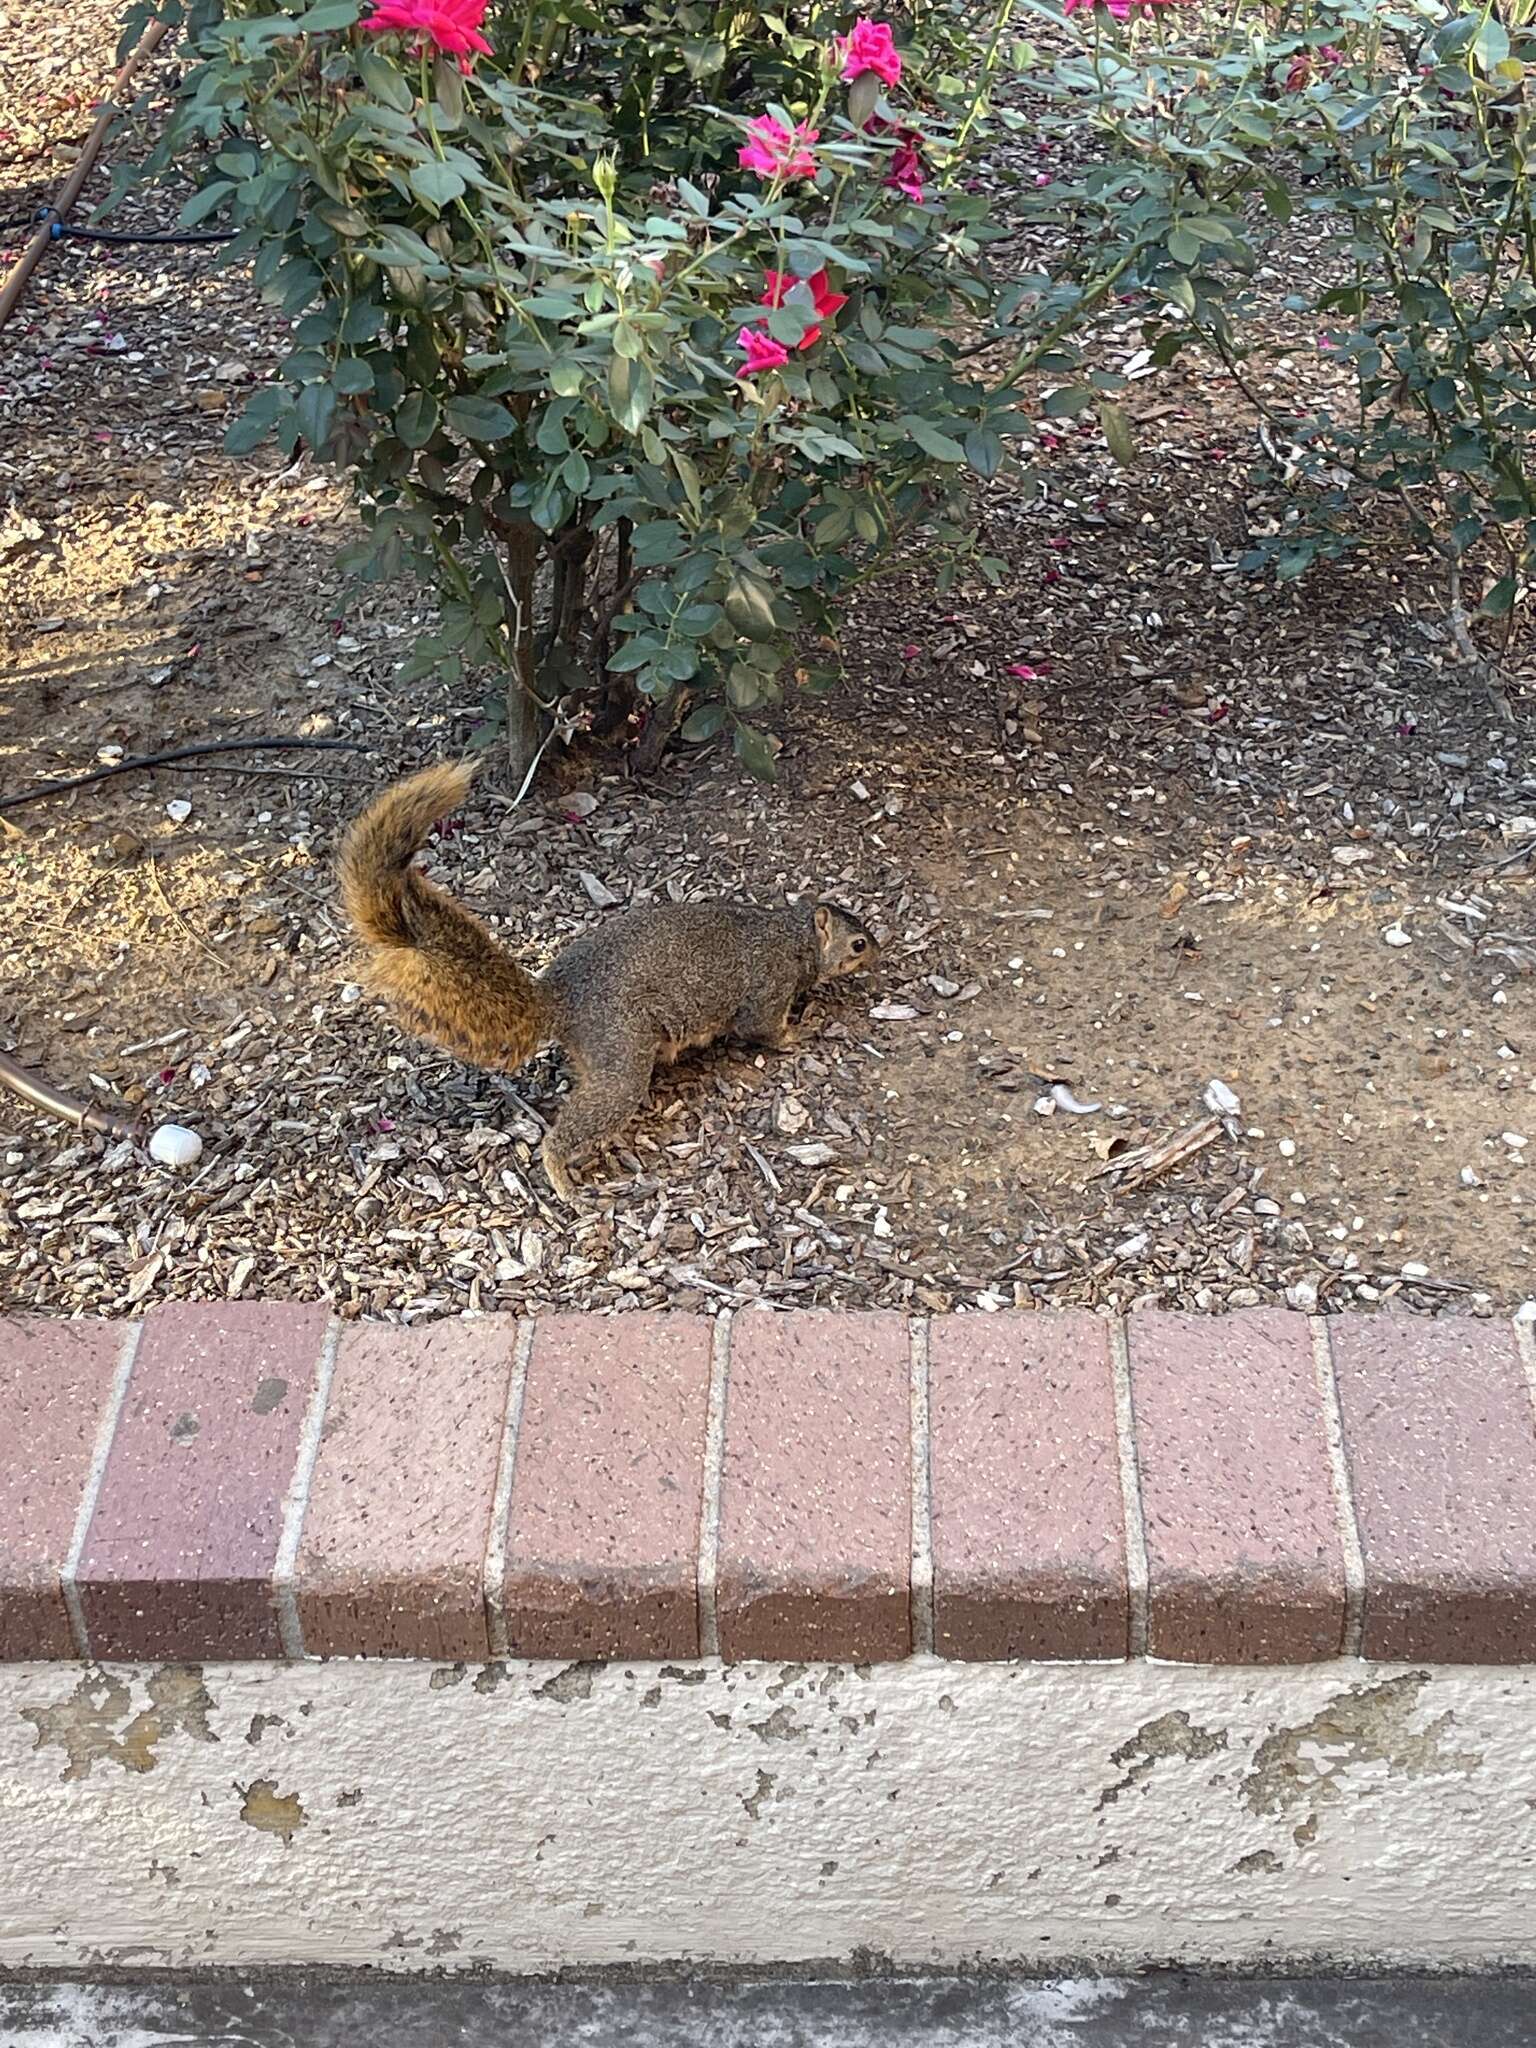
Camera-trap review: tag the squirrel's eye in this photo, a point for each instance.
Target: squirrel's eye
(859, 945)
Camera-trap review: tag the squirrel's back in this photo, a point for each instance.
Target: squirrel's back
(428, 956)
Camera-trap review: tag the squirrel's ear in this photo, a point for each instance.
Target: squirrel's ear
(823, 923)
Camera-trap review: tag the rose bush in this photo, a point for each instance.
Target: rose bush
(635, 323)
(1402, 135)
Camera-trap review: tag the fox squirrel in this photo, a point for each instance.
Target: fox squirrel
(647, 985)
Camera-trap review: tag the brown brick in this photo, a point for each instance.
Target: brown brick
(55, 1380)
(392, 1558)
(607, 1489)
(816, 1511)
(1442, 1460)
(1245, 1559)
(178, 1560)
(1028, 1517)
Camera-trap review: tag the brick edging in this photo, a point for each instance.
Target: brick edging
(252, 1480)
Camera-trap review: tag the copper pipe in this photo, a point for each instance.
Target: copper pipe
(42, 1094)
(74, 184)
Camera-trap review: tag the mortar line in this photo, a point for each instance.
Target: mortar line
(1136, 1570)
(101, 1450)
(1343, 1490)
(1525, 1344)
(493, 1574)
(919, 1334)
(296, 1502)
(714, 1481)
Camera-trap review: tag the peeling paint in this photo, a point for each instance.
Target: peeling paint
(1366, 1727)
(961, 1835)
(271, 1811)
(780, 1726)
(753, 1801)
(269, 1395)
(574, 1682)
(450, 1674)
(1169, 1736)
(85, 1725)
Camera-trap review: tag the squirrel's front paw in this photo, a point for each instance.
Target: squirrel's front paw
(556, 1172)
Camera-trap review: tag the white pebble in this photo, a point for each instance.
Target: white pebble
(174, 1145)
(1394, 935)
(178, 810)
(1515, 1141)
(1287, 1148)
(1220, 1100)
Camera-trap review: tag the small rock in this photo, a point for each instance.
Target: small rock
(1394, 935)
(1220, 1100)
(178, 810)
(174, 1145)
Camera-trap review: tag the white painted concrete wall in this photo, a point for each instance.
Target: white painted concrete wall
(528, 1817)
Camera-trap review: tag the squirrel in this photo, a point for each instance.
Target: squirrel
(644, 986)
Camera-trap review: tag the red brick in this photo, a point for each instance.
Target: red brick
(1028, 1516)
(55, 1380)
(178, 1560)
(1441, 1447)
(1245, 1559)
(607, 1489)
(816, 1512)
(391, 1561)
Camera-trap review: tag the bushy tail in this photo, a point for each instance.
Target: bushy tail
(429, 957)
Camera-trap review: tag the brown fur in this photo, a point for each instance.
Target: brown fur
(644, 986)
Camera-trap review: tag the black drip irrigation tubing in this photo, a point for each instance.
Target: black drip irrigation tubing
(60, 230)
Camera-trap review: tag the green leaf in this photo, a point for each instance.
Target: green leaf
(704, 723)
(943, 447)
(438, 184)
(327, 16)
(1180, 290)
(315, 410)
(749, 606)
(385, 82)
(677, 664)
(1498, 601)
(1066, 401)
(698, 619)
(630, 389)
(755, 754)
(353, 376)
(262, 413)
(416, 419)
(863, 94)
(479, 419)
(984, 451)
(1183, 247)
(657, 542)
(201, 204)
(1117, 432)
(627, 340)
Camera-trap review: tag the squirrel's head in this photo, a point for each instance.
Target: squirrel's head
(844, 945)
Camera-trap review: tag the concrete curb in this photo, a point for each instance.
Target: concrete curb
(248, 1481)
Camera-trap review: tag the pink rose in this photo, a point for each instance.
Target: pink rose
(868, 47)
(452, 26)
(761, 351)
(774, 153)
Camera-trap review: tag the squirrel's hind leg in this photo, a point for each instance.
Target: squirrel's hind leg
(612, 1085)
